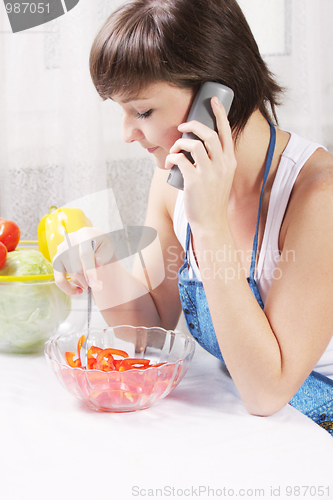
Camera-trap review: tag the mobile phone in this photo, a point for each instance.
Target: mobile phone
(201, 111)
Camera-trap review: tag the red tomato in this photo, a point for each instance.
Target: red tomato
(3, 254)
(9, 234)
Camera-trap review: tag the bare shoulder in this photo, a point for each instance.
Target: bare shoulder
(317, 171)
(312, 194)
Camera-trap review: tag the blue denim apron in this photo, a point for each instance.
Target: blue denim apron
(315, 397)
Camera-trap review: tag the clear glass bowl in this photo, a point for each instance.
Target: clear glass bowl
(130, 390)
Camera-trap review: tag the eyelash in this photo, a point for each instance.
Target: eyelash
(144, 115)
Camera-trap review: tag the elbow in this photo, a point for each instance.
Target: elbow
(265, 407)
(263, 412)
(267, 399)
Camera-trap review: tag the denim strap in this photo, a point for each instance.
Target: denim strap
(187, 244)
(269, 160)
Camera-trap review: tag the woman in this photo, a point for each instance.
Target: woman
(151, 57)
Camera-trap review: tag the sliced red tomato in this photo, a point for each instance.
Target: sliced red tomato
(3, 255)
(9, 234)
(129, 363)
(117, 363)
(74, 363)
(104, 360)
(92, 357)
(94, 351)
(118, 352)
(79, 344)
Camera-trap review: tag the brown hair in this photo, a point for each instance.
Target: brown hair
(184, 42)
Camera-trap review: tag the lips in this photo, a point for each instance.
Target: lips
(151, 150)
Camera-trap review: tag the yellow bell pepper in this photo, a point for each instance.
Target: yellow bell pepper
(51, 228)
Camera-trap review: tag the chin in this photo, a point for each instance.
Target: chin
(160, 162)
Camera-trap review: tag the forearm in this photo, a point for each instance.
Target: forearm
(248, 344)
(124, 299)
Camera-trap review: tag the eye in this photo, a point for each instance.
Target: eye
(144, 115)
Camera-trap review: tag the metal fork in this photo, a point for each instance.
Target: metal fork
(84, 350)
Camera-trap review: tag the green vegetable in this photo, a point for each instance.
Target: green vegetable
(30, 311)
(26, 263)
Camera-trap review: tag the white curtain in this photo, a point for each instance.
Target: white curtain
(60, 142)
(296, 39)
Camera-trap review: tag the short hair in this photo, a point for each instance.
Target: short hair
(185, 43)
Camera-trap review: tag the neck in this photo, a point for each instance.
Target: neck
(251, 152)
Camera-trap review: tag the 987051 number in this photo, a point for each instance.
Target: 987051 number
(307, 491)
(27, 7)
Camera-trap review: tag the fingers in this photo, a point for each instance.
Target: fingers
(66, 261)
(179, 154)
(202, 151)
(185, 166)
(223, 126)
(64, 285)
(79, 256)
(212, 148)
(208, 145)
(212, 140)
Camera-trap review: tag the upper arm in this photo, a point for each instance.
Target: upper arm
(299, 303)
(163, 258)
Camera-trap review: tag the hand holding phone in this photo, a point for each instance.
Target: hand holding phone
(201, 111)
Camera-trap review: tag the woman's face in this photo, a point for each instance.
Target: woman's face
(152, 117)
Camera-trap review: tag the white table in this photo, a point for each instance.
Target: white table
(199, 442)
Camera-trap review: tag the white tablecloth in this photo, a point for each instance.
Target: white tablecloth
(199, 442)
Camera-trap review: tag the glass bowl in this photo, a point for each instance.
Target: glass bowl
(131, 390)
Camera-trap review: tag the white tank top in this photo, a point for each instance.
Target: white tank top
(295, 155)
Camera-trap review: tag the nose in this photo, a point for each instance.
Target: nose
(130, 130)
